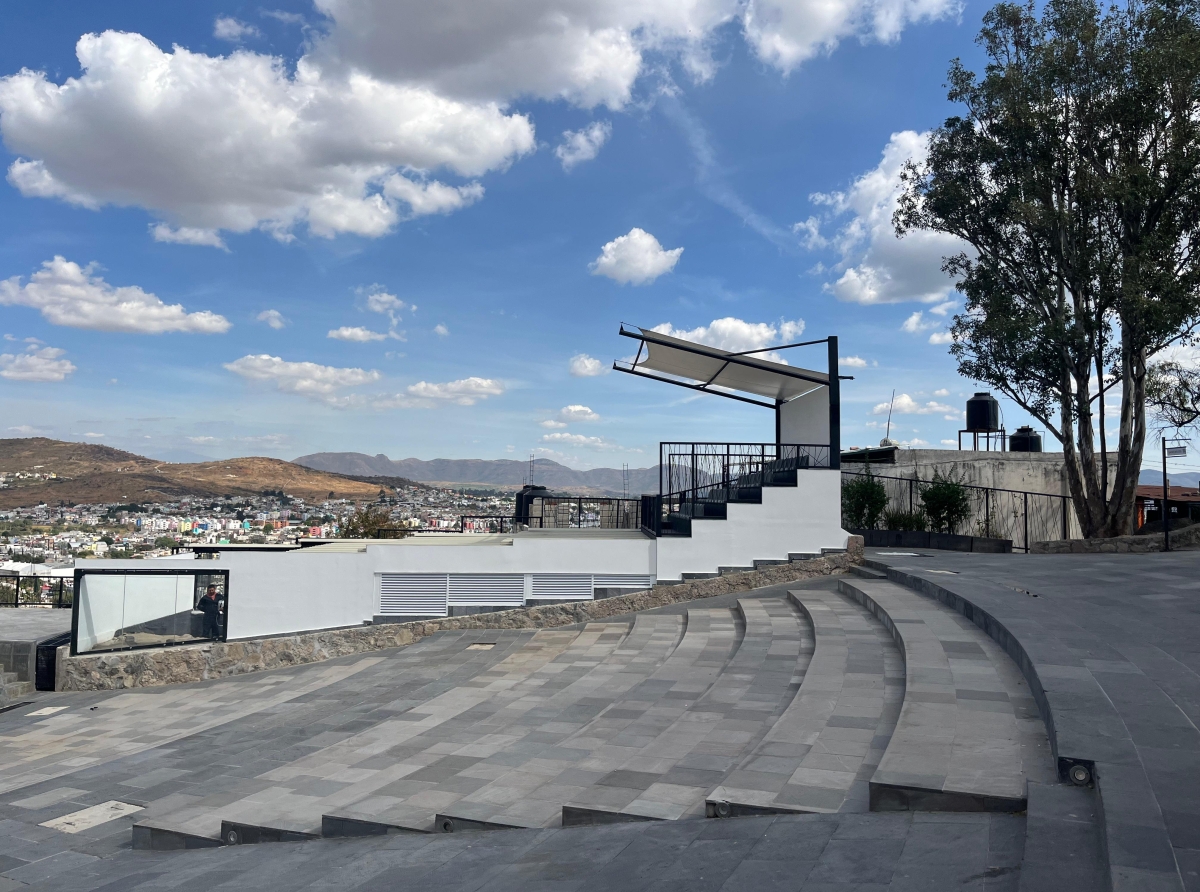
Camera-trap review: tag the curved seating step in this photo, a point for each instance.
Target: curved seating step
(494, 753)
(969, 733)
(610, 756)
(713, 735)
(291, 797)
(838, 722)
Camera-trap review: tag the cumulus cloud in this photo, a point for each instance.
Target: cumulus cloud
(584, 366)
(67, 294)
(187, 235)
(739, 336)
(241, 141)
(228, 28)
(465, 392)
(906, 405)
(551, 424)
(273, 318)
(876, 267)
(441, 331)
(37, 363)
(853, 362)
(28, 430)
(582, 145)
(318, 382)
(577, 440)
(635, 258)
(357, 334)
(941, 337)
(941, 391)
(577, 413)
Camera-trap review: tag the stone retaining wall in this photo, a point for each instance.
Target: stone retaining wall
(1186, 539)
(196, 662)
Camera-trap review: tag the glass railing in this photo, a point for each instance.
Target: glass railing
(121, 610)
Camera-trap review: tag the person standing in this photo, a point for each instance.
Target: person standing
(210, 606)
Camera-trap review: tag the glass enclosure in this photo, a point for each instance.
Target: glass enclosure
(123, 609)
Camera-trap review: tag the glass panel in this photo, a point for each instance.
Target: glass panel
(101, 605)
(118, 611)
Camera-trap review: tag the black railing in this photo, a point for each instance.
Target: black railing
(36, 591)
(700, 479)
(467, 523)
(1020, 516)
(582, 512)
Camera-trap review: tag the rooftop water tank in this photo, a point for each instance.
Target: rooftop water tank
(1025, 439)
(983, 413)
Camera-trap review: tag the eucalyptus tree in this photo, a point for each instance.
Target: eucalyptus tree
(1073, 179)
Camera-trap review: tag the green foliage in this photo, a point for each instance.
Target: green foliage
(863, 501)
(895, 519)
(1073, 176)
(369, 522)
(1173, 394)
(947, 503)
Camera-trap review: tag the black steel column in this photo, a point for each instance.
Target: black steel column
(835, 407)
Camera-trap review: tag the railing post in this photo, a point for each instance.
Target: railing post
(1025, 497)
(1066, 531)
(693, 472)
(987, 513)
(911, 483)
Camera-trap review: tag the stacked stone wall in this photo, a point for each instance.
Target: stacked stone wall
(1186, 539)
(197, 662)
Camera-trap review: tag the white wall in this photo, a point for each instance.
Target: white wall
(803, 518)
(806, 418)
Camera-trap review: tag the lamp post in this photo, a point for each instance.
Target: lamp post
(1169, 452)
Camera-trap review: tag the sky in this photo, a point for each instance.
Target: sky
(390, 226)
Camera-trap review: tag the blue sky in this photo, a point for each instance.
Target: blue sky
(394, 181)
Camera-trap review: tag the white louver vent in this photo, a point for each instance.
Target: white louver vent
(487, 590)
(573, 586)
(622, 580)
(412, 594)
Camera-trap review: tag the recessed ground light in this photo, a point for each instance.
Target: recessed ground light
(481, 646)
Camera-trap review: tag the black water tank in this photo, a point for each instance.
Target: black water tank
(983, 413)
(1025, 439)
(525, 500)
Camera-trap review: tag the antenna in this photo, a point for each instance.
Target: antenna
(531, 469)
(624, 480)
(888, 434)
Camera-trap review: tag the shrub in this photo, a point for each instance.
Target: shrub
(947, 502)
(863, 501)
(896, 519)
(369, 522)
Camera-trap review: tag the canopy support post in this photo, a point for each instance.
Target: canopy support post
(835, 407)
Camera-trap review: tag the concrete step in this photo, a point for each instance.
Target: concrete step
(969, 733)
(803, 556)
(867, 573)
(825, 551)
(758, 565)
(687, 577)
(729, 571)
(833, 732)
(15, 689)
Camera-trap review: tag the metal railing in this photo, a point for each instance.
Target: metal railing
(581, 512)
(36, 591)
(467, 523)
(1023, 517)
(700, 479)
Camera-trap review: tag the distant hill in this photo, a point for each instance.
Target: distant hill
(494, 473)
(90, 474)
(1181, 478)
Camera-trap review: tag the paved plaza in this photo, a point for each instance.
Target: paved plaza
(885, 729)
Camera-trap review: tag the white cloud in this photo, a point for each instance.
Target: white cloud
(28, 430)
(577, 440)
(187, 235)
(356, 333)
(464, 392)
(853, 362)
(577, 413)
(318, 382)
(203, 440)
(273, 318)
(949, 442)
(441, 331)
(915, 441)
(906, 405)
(582, 145)
(36, 364)
(876, 267)
(584, 366)
(941, 337)
(551, 424)
(739, 336)
(67, 294)
(246, 141)
(229, 28)
(94, 435)
(941, 391)
(635, 258)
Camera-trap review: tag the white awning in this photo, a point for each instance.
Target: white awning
(718, 371)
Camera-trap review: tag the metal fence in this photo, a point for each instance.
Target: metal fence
(36, 591)
(1023, 517)
(585, 513)
(705, 469)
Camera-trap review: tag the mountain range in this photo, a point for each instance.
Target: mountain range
(492, 473)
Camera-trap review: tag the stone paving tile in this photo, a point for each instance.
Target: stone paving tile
(811, 757)
(943, 741)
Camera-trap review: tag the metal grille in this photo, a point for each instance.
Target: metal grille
(412, 594)
(606, 514)
(487, 590)
(623, 580)
(575, 586)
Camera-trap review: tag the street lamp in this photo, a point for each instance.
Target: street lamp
(1177, 451)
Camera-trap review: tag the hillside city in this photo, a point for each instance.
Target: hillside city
(57, 534)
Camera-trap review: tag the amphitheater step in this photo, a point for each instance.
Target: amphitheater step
(688, 577)
(803, 556)
(463, 821)
(867, 573)
(729, 571)
(833, 732)
(758, 565)
(583, 816)
(968, 722)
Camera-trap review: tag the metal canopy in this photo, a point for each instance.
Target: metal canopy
(705, 368)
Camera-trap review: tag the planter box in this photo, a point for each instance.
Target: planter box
(943, 541)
